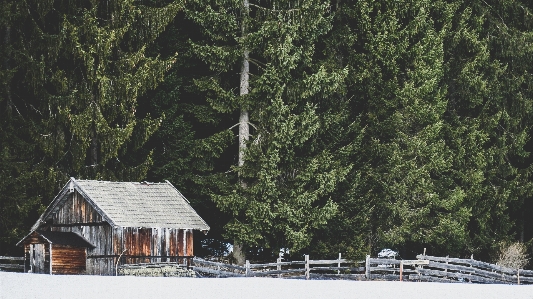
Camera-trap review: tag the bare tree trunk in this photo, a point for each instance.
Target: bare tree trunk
(244, 131)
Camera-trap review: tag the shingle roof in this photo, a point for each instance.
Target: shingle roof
(133, 204)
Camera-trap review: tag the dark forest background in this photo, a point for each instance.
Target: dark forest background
(370, 124)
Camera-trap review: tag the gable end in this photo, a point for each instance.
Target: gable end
(71, 206)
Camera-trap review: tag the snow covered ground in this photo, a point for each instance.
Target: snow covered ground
(20, 285)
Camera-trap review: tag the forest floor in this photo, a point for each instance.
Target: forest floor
(21, 285)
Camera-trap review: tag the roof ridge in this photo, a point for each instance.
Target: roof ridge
(123, 182)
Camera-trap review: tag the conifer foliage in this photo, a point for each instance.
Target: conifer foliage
(309, 125)
(280, 194)
(72, 75)
(100, 71)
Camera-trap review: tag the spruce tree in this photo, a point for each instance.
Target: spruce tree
(408, 160)
(441, 90)
(489, 115)
(70, 86)
(187, 148)
(100, 71)
(18, 169)
(279, 194)
(399, 192)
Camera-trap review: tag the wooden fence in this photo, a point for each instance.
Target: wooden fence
(333, 269)
(11, 264)
(424, 268)
(468, 270)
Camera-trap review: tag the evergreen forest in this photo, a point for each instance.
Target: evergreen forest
(303, 126)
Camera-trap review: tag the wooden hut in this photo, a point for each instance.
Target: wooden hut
(93, 226)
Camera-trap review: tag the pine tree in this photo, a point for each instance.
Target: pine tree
(187, 148)
(489, 114)
(442, 92)
(75, 71)
(408, 160)
(16, 147)
(280, 193)
(100, 71)
(399, 192)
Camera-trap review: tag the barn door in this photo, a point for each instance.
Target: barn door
(37, 258)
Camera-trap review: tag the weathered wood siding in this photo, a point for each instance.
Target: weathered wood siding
(36, 254)
(137, 242)
(77, 215)
(68, 260)
(99, 261)
(163, 244)
(189, 243)
(76, 210)
(181, 243)
(27, 261)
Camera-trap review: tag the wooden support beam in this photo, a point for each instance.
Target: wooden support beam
(12, 266)
(12, 258)
(77, 224)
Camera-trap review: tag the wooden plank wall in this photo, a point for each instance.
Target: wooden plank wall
(93, 228)
(68, 260)
(37, 261)
(138, 242)
(189, 243)
(159, 242)
(27, 265)
(76, 210)
(40, 258)
(111, 242)
(102, 238)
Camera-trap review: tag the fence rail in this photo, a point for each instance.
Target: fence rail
(424, 268)
(290, 269)
(12, 263)
(471, 270)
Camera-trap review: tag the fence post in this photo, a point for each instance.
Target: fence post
(471, 266)
(367, 267)
(518, 275)
(401, 270)
(247, 268)
(339, 264)
(278, 266)
(307, 270)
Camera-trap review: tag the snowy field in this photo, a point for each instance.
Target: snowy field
(20, 285)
